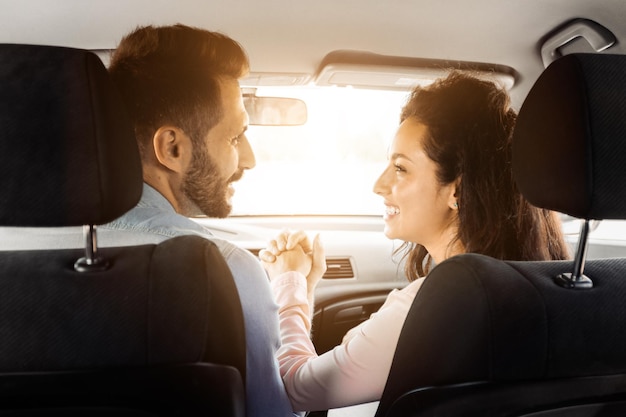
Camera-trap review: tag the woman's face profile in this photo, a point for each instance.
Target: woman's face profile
(418, 208)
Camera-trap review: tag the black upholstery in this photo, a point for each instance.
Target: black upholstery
(486, 337)
(73, 159)
(154, 305)
(168, 390)
(157, 331)
(477, 319)
(568, 144)
(602, 396)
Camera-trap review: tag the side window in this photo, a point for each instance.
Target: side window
(607, 238)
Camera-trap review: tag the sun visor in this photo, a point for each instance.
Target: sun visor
(368, 70)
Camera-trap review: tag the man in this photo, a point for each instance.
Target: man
(181, 88)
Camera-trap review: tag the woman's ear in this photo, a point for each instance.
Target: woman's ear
(172, 148)
(453, 198)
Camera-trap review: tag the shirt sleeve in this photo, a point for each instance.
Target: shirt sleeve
(353, 372)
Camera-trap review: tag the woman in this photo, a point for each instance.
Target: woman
(447, 189)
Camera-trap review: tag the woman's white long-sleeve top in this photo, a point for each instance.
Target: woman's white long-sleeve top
(353, 372)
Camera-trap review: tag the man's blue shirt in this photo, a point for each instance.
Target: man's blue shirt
(153, 220)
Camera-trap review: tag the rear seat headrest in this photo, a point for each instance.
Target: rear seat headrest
(569, 143)
(69, 156)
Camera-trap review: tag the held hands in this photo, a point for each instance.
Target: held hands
(293, 251)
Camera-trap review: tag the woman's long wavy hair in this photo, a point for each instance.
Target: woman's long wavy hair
(470, 125)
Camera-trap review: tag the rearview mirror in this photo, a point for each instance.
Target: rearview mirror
(275, 111)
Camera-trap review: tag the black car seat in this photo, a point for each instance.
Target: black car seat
(140, 330)
(486, 337)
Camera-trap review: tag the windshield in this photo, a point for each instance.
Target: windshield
(328, 165)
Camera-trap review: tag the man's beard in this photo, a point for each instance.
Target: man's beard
(204, 187)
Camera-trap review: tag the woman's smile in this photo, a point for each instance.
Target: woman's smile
(390, 211)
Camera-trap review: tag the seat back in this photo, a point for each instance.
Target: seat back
(157, 329)
(504, 338)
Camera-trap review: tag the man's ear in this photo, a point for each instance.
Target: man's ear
(172, 148)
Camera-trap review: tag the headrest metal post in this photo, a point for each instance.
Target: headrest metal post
(91, 262)
(577, 279)
(581, 251)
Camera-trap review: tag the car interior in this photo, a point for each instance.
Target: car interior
(324, 93)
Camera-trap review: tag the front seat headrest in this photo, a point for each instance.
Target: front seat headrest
(69, 155)
(569, 143)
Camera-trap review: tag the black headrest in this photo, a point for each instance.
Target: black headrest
(569, 143)
(69, 156)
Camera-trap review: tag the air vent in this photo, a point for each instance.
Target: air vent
(337, 268)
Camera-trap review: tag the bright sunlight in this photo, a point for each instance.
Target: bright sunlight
(328, 165)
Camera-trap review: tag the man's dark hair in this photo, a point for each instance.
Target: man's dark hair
(171, 75)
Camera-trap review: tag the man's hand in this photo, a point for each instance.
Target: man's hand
(287, 260)
(292, 246)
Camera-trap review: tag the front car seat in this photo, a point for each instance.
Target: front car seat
(145, 330)
(486, 337)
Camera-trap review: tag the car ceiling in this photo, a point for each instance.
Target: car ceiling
(294, 36)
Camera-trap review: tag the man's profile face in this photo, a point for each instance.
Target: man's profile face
(221, 159)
